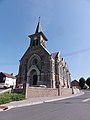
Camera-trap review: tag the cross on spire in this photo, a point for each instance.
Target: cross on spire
(38, 29)
(39, 19)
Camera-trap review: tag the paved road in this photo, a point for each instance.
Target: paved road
(77, 108)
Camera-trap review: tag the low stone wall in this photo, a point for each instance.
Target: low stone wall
(6, 90)
(75, 90)
(17, 90)
(33, 92)
(66, 91)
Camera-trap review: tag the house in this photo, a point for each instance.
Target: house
(40, 67)
(75, 83)
(7, 80)
(75, 87)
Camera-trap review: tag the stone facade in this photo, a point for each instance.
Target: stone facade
(40, 67)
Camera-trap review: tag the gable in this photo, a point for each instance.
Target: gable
(45, 50)
(7, 75)
(39, 50)
(25, 54)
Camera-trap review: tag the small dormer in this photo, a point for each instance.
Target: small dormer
(38, 38)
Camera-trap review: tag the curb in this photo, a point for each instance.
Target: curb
(40, 102)
(2, 108)
(27, 104)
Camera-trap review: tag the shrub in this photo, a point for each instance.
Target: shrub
(4, 98)
(9, 97)
(17, 97)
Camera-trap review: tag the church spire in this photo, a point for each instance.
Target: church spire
(38, 29)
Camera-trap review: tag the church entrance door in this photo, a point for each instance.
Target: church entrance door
(34, 74)
(35, 78)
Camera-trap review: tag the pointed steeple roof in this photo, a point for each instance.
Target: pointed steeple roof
(38, 29)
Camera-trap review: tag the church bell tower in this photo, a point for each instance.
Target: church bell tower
(38, 38)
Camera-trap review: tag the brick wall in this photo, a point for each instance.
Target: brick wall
(66, 91)
(41, 92)
(46, 92)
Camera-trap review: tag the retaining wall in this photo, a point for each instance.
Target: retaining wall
(41, 92)
(66, 91)
(33, 92)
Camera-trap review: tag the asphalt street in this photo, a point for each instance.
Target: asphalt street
(77, 108)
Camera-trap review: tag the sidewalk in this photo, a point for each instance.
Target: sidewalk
(34, 101)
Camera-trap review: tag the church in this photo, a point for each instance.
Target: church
(38, 67)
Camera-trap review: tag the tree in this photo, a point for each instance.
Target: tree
(88, 81)
(82, 82)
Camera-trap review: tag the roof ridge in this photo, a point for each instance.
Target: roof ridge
(8, 75)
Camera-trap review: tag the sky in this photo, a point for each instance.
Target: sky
(66, 24)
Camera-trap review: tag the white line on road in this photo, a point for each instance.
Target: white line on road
(85, 100)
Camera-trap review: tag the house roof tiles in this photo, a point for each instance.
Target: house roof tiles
(8, 75)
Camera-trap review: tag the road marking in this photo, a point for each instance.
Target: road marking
(85, 100)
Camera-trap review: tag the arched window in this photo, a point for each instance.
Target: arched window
(33, 43)
(36, 41)
(35, 61)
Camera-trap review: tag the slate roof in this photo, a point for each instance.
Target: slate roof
(38, 29)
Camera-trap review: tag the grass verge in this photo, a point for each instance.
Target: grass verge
(9, 97)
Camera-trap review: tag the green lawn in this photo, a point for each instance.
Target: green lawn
(9, 97)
